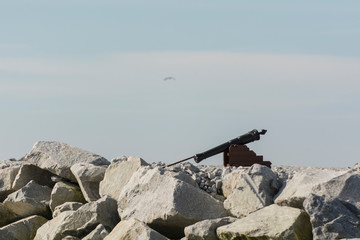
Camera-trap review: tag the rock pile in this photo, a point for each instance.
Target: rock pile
(61, 192)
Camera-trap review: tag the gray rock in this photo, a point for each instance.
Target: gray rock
(28, 172)
(81, 222)
(68, 206)
(294, 192)
(32, 199)
(99, 233)
(271, 222)
(135, 230)
(331, 218)
(167, 201)
(6, 216)
(118, 174)
(24, 229)
(191, 167)
(206, 229)
(65, 192)
(334, 207)
(8, 172)
(248, 190)
(341, 187)
(88, 177)
(58, 157)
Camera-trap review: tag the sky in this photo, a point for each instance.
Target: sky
(91, 74)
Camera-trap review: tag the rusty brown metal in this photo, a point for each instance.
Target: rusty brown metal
(241, 155)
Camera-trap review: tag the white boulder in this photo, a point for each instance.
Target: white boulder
(135, 230)
(58, 158)
(118, 174)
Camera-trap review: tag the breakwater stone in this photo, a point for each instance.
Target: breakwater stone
(59, 192)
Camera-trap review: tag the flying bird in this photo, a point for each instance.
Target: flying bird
(169, 78)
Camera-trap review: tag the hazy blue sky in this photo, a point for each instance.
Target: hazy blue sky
(90, 74)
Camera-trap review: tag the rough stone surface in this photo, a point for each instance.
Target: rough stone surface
(99, 233)
(118, 174)
(6, 216)
(8, 172)
(167, 201)
(206, 229)
(272, 222)
(28, 172)
(334, 207)
(135, 230)
(32, 199)
(58, 157)
(294, 192)
(88, 177)
(24, 229)
(65, 192)
(342, 187)
(68, 206)
(81, 222)
(249, 189)
(332, 218)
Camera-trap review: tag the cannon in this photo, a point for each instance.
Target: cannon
(241, 140)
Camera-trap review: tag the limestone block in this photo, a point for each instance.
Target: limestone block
(24, 229)
(206, 229)
(8, 172)
(6, 216)
(58, 157)
(272, 222)
(294, 192)
(65, 192)
(81, 222)
(248, 190)
(88, 177)
(135, 230)
(67, 206)
(28, 172)
(32, 199)
(99, 233)
(167, 201)
(118, 174)
(332, 218)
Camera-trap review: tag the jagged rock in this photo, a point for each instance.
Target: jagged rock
(294, 192)
(88, 177)
(334, 207)
(332, 218)
(271, 222)
(58, 157)
(68, 206)
(65, 192)
(6, 216)
(167, 201)
(24, 229)
(8, 172)
(342, 187)
(248, 190)
(135, 230)
(206, 229)
(81, 222)
(28, 172)
(118, 174)
(99, 233)
(32, 199)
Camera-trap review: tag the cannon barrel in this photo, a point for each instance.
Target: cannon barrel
(241, 140)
